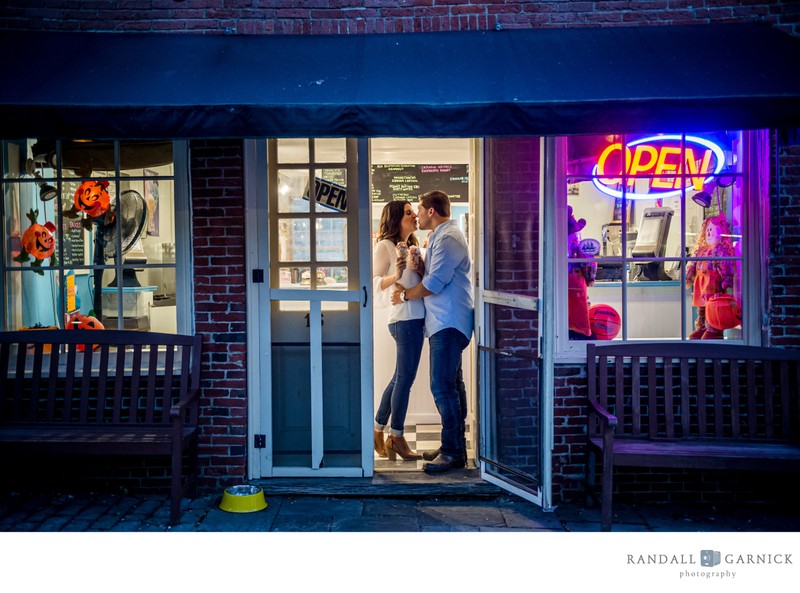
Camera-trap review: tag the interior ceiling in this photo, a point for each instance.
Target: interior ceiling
(419, 151)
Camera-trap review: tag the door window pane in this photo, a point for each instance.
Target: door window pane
(293, 277)
(330, 150)
(330, 190)
(331, 239)
(293, 150)
(292, 190)
(294, 239)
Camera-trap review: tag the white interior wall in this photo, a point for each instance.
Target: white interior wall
(412, 151)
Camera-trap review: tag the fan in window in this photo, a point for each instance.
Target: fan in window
(116, 238)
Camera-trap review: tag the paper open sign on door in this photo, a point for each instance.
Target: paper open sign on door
(330, 195)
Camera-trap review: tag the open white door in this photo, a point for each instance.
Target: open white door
(512, 453)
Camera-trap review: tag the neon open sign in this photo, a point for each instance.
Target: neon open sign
(658, 157)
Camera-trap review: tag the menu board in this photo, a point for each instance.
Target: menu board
(407, 182)
(73, 235)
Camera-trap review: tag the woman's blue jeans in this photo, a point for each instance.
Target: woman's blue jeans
(449, 391)
(409, 337)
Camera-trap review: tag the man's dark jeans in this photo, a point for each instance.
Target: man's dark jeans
(449, 391)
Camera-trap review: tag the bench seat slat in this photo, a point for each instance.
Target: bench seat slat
(90, 439)
(706, 454)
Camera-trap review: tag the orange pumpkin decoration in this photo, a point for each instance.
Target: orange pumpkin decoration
(85, 322)
(723, 312)
(88, 322)
(93, 198)
(39, 241)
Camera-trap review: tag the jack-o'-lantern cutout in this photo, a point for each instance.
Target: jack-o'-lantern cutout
(88, 322)
(85, 322)
(93, 198)
(37, 241)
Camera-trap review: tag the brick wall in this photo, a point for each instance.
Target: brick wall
(259, 17)
(784, 311)
(218, 219)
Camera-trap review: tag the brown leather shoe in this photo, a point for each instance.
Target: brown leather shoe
(444, 463)
(380, 445)
(430, 455)
(399, 446)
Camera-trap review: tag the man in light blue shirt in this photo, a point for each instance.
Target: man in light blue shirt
(447, 292)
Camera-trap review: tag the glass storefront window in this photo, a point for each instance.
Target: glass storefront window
(89, 231)
(653, 234)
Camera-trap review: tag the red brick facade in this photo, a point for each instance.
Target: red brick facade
(218, 223)
(315, 17)
(217, 180)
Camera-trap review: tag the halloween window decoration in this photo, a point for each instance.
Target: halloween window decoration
(38, 242)
(709, 279)
(89, 322)
(92, 197)
(92, 219)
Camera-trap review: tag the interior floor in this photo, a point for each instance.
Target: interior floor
(421, 437)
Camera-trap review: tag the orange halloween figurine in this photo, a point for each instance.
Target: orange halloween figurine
(93, 198)
(709, 278)
(85, 322)
(38, 241)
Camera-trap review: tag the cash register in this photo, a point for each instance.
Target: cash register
(651, 241)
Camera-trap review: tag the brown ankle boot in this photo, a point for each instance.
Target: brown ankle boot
(398, 446)
(380, 446)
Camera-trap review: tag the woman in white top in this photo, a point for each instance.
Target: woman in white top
(406, 321)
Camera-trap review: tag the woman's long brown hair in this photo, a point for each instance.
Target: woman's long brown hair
(390, 225)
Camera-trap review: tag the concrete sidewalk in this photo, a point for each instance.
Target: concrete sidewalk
(309, 513)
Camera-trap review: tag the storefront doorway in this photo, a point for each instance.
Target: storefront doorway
(402, 169)
(322, 350)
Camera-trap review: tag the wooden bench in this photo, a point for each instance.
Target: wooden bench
(690, 405)
(109, 392)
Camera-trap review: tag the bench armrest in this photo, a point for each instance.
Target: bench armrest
(176, 411)
(607, 419)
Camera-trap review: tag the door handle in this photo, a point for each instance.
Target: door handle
(364, 288)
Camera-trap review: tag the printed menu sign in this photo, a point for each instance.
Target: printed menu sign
(73, 235)
(407, 182)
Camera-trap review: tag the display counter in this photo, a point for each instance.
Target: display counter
(137, 302)
(654, 307)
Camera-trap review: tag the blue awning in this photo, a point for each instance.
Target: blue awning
(459, 84)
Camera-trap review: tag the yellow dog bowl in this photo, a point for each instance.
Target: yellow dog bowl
(243, 499)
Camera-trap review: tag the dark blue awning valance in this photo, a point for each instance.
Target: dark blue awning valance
(460, 84)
